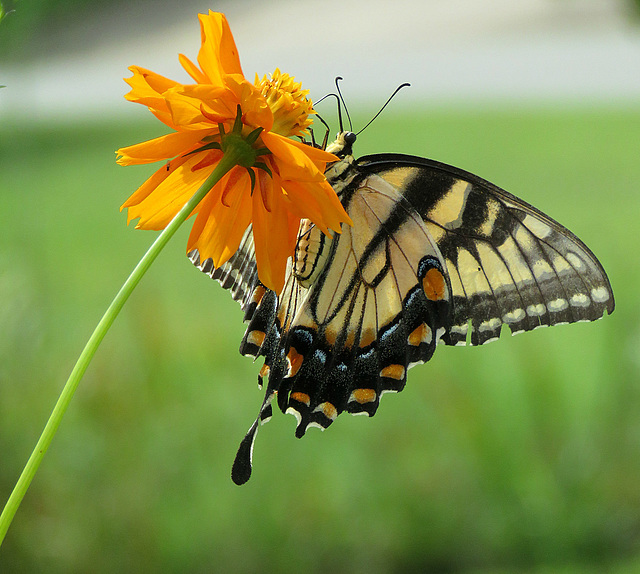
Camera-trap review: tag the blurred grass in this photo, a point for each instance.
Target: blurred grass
(522, 456)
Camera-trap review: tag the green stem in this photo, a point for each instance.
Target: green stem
(229, 160)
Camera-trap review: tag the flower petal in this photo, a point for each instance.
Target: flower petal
(147, 88)
(255, 110)
(275, 233)
(209, 158)
(217, 100)
(160, 148)
(220, 236)
(233, 186)
(160, 205)
(317, 202)
(293, 162)
(315, 154)
(218, 54)
(193, 70)
(150, 185)
(186, 114)
(204, 211)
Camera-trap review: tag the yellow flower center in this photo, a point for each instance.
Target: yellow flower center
(288, 102)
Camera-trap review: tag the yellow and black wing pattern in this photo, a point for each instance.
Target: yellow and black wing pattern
(435, 254)
(508, 263)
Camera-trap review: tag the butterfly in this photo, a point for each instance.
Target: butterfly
(435, 255)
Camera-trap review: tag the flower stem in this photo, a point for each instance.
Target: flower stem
(228, 161)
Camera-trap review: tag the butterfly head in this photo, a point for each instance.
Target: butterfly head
(342, 146)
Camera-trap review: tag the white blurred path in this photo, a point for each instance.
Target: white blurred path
(492, 51)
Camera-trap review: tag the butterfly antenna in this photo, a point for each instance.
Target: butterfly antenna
(384, 106)
(339, 106)
(323, 98)
(338, 79)
(326, 125)
(327, 131)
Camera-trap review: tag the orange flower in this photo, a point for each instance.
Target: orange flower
(286, 184)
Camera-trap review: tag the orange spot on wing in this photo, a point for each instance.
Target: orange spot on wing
(256, 338)
(258, 294)
(434, 285)
(329, 410)
(393, 372)
(303, 398)
(330, 336)
(420, 334)
(295, 361)
(351, 337)
(363, 396)
(367, 337)
(264, 371)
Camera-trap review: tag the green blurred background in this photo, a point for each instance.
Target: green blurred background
(521, 456)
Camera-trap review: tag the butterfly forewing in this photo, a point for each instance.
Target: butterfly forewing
(508, 263)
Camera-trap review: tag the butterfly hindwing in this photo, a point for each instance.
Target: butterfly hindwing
(357, 310)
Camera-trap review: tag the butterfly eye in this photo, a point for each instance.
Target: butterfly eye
(349, 138)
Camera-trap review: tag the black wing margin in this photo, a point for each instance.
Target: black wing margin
(508, 262)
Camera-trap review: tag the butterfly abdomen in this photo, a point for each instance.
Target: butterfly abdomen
(311, 254)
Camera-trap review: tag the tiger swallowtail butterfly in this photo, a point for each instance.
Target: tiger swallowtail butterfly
(435, 255)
